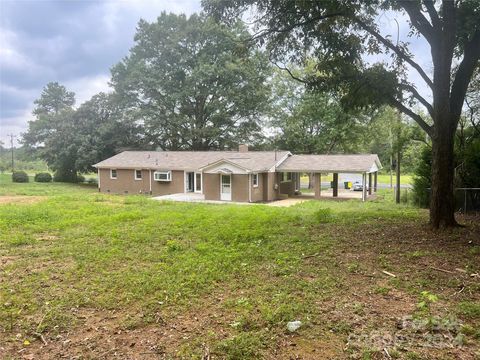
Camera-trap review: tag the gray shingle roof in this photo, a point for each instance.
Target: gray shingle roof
(330, 163)
(191, 160)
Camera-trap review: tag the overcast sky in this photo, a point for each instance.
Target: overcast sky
(75, 42)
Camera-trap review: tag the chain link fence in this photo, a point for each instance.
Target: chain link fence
(467, 200)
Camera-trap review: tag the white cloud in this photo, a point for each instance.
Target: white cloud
(85, 87)
(10, 57)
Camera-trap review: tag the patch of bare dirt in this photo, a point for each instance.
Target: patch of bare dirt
(101, 334)
(20, 199)
(7, 260)
(47, 237)
(392, 265)
(324, 345)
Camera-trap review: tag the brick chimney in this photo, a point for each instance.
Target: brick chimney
(243, 148)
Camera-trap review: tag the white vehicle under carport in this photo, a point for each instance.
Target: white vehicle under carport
(358, 186)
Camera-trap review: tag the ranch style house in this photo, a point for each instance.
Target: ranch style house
(239, 176)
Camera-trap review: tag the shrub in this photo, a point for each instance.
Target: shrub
(20, 177)
(43, 177)
(62, 175)
(80, 179)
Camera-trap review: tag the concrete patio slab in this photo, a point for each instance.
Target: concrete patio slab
(194, 197)
(290, 201)
(326, 195)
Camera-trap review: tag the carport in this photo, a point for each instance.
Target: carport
(367, 165)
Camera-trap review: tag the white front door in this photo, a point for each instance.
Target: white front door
(225, 187)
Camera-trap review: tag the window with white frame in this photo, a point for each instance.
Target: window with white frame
(138, 174)
(113, 173)
(162, 176)
(255, 180)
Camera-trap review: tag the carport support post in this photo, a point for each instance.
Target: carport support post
(369, 183)
(317, 185)
(335, 184)
(375, 181)
(364, 187)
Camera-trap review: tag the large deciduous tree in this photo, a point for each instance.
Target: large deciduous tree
(193, 83)
(102, 130)
(71, 140)
(341, 33)
(51, 131)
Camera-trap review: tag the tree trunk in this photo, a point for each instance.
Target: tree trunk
(442, 202)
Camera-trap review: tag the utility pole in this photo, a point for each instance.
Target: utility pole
(399, 117)
(11, 147)
(391, 159)
(397, 194)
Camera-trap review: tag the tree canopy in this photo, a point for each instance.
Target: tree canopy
(193, 83)
(311, 122)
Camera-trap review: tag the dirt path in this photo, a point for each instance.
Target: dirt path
(17, 199)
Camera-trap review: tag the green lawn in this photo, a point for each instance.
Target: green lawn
(98, 276)
(406, 179)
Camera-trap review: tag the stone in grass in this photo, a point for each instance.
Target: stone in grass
(293, 325)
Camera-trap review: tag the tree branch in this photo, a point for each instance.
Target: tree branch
(400, 53)
(472, 113)
(432, 12)
(293, 26)
(417, 96)
(418, 119)
(464, 73)
(395, 49)
(303, 81)
(418, 20)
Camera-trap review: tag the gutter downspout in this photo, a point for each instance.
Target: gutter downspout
(150, 177)
(364, 187)
(249, 187)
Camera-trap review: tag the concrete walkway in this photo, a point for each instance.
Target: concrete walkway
(200, 198)
(196, 198)
(326, 195)
(184, 197)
